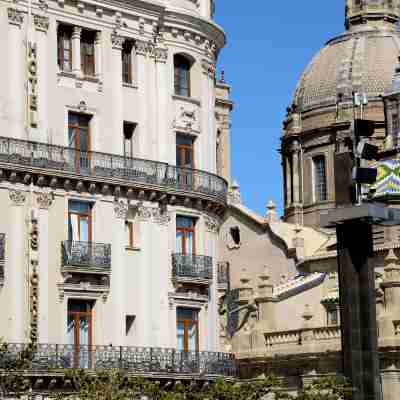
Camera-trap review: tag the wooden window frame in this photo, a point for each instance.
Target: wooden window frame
(77, 126)
(184, 231)
(87, 216)
(88, 62)
(185, 148)
(186, 327)
(182, 64)
(64, 32)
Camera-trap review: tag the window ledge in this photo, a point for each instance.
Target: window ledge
(73, 75)
(187, 99)
(130, 85)
(134, 248)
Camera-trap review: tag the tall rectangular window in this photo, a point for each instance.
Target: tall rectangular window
(87, 52)
(79, 221)
(127, 61)
(184, 151)
(185, 235)
(187, 324)
(129, 129)
(320, 188)
(79, 139)
(182, 75)
(64, 43)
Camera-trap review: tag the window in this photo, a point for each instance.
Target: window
(130, 325)
(80, 331)
(235, 235)
(332, 316)
(184, 151)
(87, 52)
(187, 329)
(79, 221)
(182, 75)
(64, 42)
(185, 235)
(395, 128)
(129, 129)
(320, 192)
(127, 62)
(79, 139)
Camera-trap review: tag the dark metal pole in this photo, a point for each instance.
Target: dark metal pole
(358, 308)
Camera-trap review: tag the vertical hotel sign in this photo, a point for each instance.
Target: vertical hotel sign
(32, 84)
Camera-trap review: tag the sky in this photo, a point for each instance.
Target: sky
(269, 44)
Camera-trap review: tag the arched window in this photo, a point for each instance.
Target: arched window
(182, 75)
(320, 189)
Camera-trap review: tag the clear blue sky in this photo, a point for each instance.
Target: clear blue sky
(269, 45)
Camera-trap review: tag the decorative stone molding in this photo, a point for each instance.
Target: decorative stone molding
(161, 54)
(121, 209)
(84, 290)
(43, 5)
(41, 23)
(144, 213)
(208, 68)
(15, 17)
(210, 49)
(45, 200)
(117, 41)
(186, 120)
(161, 217)
(212, 224)
(76, 32)
(17, 197)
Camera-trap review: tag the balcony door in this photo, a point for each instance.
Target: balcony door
(185, 160)
(185, 235)
(79, 139)
(80, 332)
(187, 321)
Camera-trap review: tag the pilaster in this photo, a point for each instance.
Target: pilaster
(76, 51)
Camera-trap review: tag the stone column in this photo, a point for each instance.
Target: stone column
(116, 93)
(16, 100)
(288, 181)
(42, 25)
(98, 56)
(16, 263)
(265, 300)
(390, 379)
(44, 201)
(76, 51)
(296, 173)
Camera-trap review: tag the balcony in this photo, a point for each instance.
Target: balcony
(192, 268)
(137, 360)
(2, 256)
(86, 257)
(67, 162)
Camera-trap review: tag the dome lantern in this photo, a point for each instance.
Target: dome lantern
(372, 12)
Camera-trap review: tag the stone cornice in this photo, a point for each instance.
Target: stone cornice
(15, 16)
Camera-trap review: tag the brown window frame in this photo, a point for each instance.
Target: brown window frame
(88, 66)
(64, 33)
(182, 65)
(184, 231)
(183, 149)
(127, 64)
(186, 324)
(83, 215)
(83, 123)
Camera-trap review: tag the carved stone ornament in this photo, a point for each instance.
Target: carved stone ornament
(121, 209)
(208, 68)
(17, 197)
(186, 120)
(161, 54)
(15, 17)
(212, 225)
(41, 23)
(44, 200)
(117, 41)
(161, 217)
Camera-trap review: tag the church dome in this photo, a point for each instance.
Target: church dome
(357, 61)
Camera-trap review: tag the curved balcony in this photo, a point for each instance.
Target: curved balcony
(192, 267)
(132, 171)
(86, 257)
(140, 360)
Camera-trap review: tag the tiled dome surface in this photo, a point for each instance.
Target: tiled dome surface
(363, 61)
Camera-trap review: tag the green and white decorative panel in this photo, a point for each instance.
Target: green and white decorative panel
(388, 180)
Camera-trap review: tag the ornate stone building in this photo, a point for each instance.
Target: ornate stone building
(114, 179)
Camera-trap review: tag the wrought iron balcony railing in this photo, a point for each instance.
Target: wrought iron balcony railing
(145, 360)
(103, 165)
(192, 266)
(223, 273)
(90, 255)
